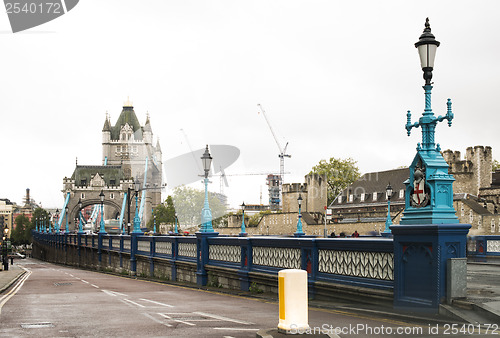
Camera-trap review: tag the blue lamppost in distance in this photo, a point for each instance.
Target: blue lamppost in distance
(243, 230)
(299, 231)
(36, 223)
(206, 213)
(50, 223)
(102, 229)
(388, 222)
(80, 225)
(137, 220)
(56, 225)
(67, 225)
(175, 230)
(154, 224)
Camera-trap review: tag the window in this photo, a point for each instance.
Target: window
(374, 196)
(83, 182)
(112, 195)
(340, 199)
(362, 197)
(351, 198)
(401, 193)
(83, 196)
(471, 216)
(112, 182)
(462, 211)
(492, 225)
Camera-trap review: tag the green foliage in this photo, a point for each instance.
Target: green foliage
(189, 202)
(255, 219)
(340, 174)
(18, 235)
(495, 165)
(165, 213)
(254, 288)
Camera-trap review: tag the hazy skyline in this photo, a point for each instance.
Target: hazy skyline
(335, 79)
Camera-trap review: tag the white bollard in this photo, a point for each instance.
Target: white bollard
(293, 307)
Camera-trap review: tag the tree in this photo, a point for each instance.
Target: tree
(18, 235)
(495, 165)
(340, 173)
(189, 202)
(165, 213)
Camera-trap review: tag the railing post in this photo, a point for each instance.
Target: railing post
(175, 247)
(133, 251)
(246, 263)
(99, 247)
(152, 249)
(202, 256)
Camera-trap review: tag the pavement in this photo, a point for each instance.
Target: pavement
(9, 277)
(482, 305)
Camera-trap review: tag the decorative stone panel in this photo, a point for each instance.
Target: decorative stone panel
(377, 265)
(493, 246)
(288, 258)
(228, 253)
(187, 249)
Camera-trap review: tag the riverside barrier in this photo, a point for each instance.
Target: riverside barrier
(483, 246)
(350, 267)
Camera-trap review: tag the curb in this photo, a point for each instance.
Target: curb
(8, 285)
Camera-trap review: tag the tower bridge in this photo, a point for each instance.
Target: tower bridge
(128, 154)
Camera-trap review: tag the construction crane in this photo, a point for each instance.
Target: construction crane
(281, 155)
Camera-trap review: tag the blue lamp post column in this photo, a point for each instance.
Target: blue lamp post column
(50, 223)
(387, 232)
(243, 232)
(137, 220)
(206, 213)
(80, 225)
(36, 223)
(102, 229)
(176, 231)
(299, 231)
(154, 224)
(56, 224)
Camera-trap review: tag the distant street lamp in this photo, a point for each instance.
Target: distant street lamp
(56, 225)
(36, 223)
(175, 230)
(102, 229)
(243, 232)
(206, 213)
(80, 225)
(67, 225)
(154, 224)
(388, 222)
(137, 220)
(299, 231)
(50, 223)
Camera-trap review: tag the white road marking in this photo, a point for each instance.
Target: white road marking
(234, 329)
(131, 302)
(15, 289)
(156, 320)
(95, 286)
(84, 281)
(118, 293)
(154, 302)
(223, 318)
(109, 293)
(176, 320)
(71, 275)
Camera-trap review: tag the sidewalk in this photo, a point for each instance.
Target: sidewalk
(7, 278)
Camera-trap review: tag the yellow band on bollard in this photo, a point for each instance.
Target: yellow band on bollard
(281, 291)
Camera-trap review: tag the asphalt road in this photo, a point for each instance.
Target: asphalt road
(57, 301)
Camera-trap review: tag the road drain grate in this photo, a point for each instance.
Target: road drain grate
(62, 284)
(36, 325)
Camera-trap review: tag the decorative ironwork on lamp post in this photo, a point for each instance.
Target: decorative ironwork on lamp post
(206, 213)
(243, 230)
(388, 221)
(102, 228)
(137, 220)
(67, 225)
(175, 230)
(299, 231)
(80, 225)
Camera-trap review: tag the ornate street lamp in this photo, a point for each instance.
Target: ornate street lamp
(388, 222)
(137, 220)
(80, 225)
(56, 225)
(299, 231)
(175, 230)
(243, 230)
(102, 229)
(154, 224)
(67, 225)
(206, 213)
(427, 46)
(36, 223)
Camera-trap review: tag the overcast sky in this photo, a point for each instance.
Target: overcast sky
(335, 78)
